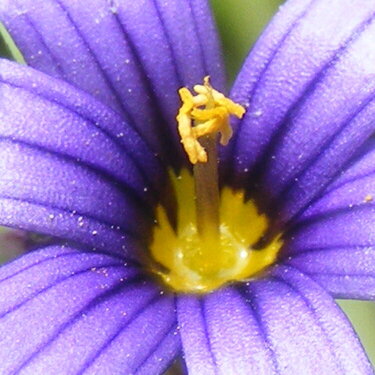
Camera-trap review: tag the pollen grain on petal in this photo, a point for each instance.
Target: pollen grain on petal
(369, 198)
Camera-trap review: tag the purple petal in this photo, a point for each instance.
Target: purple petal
(334, 241)
(82, 310)
(65, 171)
(345, 271)
(133, 55)
(285, 324)
(220, 335)
(309, 86)
(75, 124)
(361, 166)
(305, 327)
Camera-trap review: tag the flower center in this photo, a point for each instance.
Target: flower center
(187, 263)
(214, 240)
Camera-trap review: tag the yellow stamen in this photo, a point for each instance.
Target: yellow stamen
(206, 113)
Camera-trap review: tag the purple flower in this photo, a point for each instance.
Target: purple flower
(86, 140)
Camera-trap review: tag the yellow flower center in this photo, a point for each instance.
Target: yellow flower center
(189, 264)
(213, 243)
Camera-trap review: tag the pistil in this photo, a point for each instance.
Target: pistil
(200, 119)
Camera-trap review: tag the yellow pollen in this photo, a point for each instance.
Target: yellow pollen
(188, 264)
(369, 198)
(205, 113)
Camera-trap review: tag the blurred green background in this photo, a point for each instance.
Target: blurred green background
(239, 22)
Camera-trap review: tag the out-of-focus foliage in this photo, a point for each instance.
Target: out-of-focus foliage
(362, 316)
(7, 47)
(240, 22)
(4, 50)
